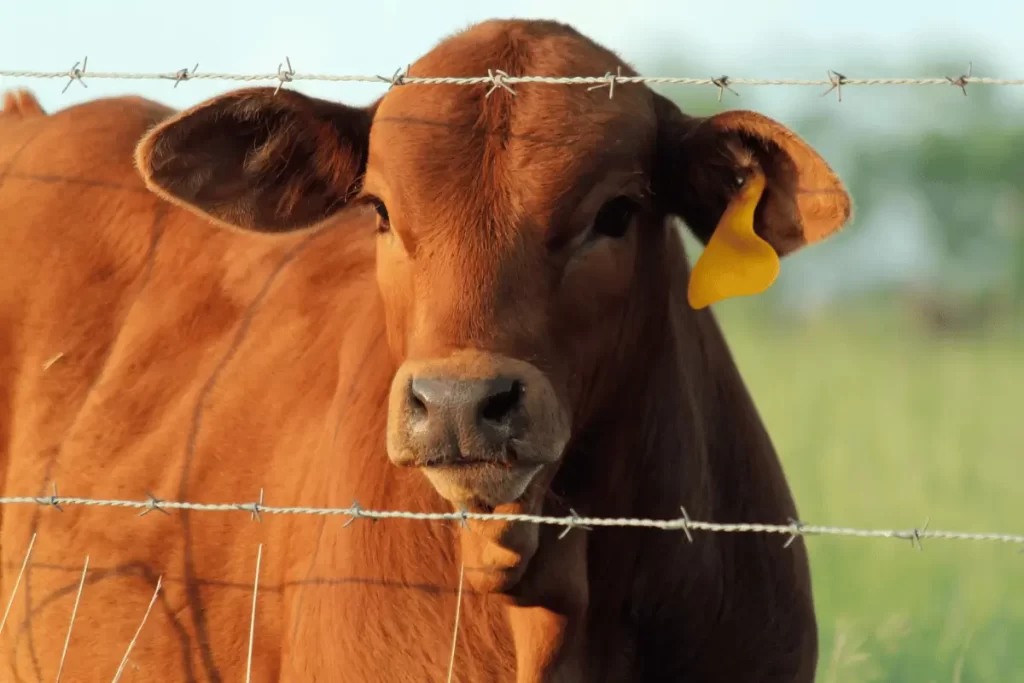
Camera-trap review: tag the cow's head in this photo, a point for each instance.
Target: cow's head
(521, 238)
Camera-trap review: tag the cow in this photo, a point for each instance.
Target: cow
(458, 298)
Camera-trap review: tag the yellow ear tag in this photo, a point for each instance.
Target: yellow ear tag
(736, 261)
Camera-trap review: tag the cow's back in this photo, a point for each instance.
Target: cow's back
(143, 349)
(62, 284)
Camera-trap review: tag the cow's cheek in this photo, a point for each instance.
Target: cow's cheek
(395, 283)
(587, 321)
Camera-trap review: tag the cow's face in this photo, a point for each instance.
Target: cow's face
(521, 238)
(508, 234)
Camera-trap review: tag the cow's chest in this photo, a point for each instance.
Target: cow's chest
(373, 606)
(387, 609)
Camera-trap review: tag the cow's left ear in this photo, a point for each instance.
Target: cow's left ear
(260, 160)
(748, 188)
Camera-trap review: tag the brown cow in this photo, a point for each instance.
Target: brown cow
(445, 299)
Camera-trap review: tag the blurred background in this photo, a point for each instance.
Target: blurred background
(888, 362)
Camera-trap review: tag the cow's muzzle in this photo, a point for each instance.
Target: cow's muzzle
(479, 425)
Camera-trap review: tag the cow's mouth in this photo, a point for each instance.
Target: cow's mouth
(478, 484)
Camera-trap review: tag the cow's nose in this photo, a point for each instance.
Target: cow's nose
(464, 419)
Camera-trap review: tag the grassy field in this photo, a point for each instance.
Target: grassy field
(880, 426)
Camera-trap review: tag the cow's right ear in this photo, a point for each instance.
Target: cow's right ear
(750, 189)
(256, 160)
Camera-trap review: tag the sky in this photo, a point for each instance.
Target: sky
(795, 39)
(740, 38)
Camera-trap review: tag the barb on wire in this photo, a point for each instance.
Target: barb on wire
(611, 82)
(686, 524)
(52, 500)
(152, 503)
(284, 75)
(75, 74)
(837, 80)
(463, 517)
(962, 80)
(683, 523)
(499, 79)
(917, 533)
(356, 512)
(254, 509)
(397, 79)
(573, 524)
(182, 75)
(722, 83)
(798, 527)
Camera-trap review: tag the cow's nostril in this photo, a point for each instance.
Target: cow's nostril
(417, 403)
(503, 400)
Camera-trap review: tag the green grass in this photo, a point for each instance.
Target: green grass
(880, 426)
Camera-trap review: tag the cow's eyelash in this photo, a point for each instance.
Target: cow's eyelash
(383, 217)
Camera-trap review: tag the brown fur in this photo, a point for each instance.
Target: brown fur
(22, 103)
(204, 363)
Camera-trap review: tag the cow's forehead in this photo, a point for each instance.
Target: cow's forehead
(528, 155)
(542, 124)
(438, 146)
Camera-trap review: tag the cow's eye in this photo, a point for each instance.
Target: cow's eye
(383, 219)
(614, 218)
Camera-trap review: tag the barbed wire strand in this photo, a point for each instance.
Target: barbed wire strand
(684, 523)
(499, 79)
(135, 638)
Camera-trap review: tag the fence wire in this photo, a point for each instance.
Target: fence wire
(499, 79)
(683, 523)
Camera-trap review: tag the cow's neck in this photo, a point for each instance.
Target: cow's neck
(645, 450)
(683, 431)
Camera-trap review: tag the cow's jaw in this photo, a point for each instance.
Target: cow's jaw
(495, 552)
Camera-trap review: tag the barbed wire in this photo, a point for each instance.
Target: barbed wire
(355, 512)
(499, 79)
